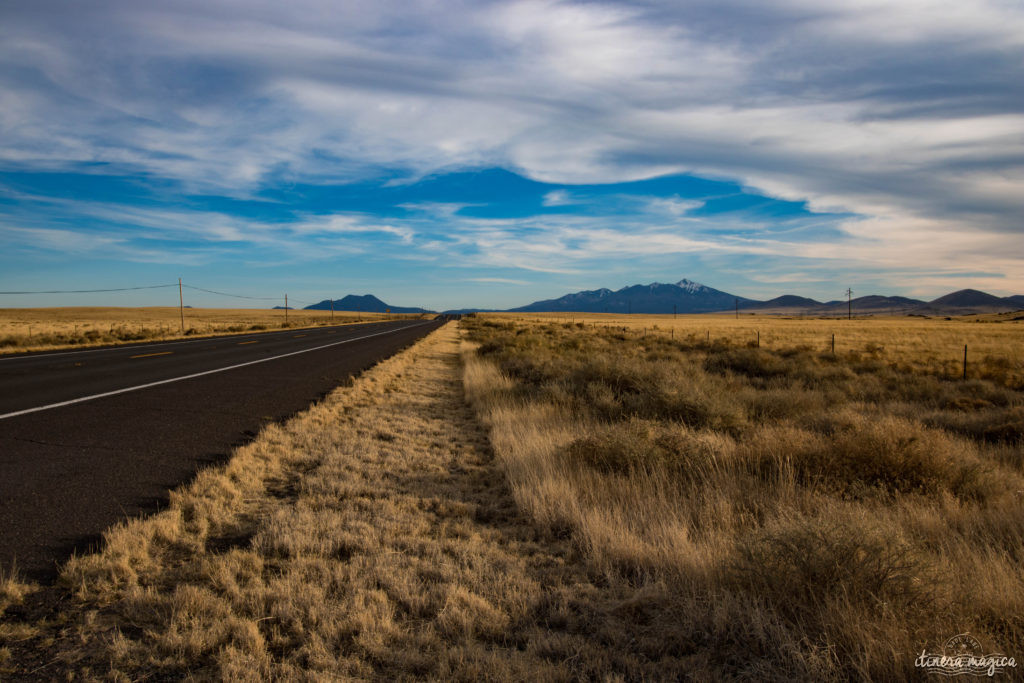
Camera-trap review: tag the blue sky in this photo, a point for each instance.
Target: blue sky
(494, 153)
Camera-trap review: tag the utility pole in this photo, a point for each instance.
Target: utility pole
(332, 309)
(849, 304)
(286, 309)
(181, 306)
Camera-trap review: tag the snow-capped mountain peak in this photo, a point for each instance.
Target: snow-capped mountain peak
(690, 286)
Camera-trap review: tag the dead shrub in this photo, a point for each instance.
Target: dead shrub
(887, 456)
(748, 362)
(801, 566)
(642, 446)
(996, 425)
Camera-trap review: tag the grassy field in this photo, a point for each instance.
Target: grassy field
(35, 329)
(511, 500)
(934, 345)
(784, 513)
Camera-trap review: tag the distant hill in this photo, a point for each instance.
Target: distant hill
(784, 301)
(972, 301)
(366, 303)
(874, 303)
(686, 296)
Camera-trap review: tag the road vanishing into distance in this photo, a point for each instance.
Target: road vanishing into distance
(90, 437)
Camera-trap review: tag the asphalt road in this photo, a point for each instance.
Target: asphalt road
(89, 437)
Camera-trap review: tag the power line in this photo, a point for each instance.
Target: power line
(129, 289)
(92, 291)
(241, 296)
(236, 296)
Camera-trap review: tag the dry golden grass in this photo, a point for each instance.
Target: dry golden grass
(372, 537)
(787, 515)
(631, 508)
(35, 329)
(933, 345)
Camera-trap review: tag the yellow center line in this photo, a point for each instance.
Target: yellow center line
(296, 336)
(150, 355)
(251, 342)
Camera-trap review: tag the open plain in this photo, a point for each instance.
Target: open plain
(914, 343)
(514, 499)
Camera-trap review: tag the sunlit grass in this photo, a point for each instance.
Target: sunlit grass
(796, 514)
(935, 345)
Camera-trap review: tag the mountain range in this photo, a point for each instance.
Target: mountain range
(687, 296)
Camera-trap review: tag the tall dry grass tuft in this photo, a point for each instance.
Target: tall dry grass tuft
(785, 513)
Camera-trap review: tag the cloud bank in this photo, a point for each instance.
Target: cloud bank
(906, 119)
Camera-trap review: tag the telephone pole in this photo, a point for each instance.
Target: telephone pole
(849, 304)
(181, 306)
(332, 309)
(286, 308)
(737, 308)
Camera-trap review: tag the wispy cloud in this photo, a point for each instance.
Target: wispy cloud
(498, 280)
(557, 198)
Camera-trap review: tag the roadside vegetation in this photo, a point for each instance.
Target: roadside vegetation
(371, 537)
(37, 329)
(780, 512)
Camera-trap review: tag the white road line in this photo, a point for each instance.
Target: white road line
(155, 344)
(197, 374)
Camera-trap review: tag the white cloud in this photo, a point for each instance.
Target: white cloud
(557, 198)
(673, 206)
